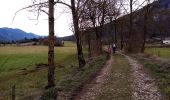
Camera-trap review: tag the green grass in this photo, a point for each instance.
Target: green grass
(69, 44)
(160, 52)
(160, 72)
(162, 78)
(72, 81)
(17, 67)
(118, 85)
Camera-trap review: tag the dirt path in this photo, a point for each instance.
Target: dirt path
(91, 90)
(117, 78)
(144, 87)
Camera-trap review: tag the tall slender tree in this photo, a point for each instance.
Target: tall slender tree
(41, 6)
(51, 64)
(113, 12)
(77, 33)
(132, 42)
(147, 10)
(95, 14)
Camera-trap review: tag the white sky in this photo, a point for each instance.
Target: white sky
(22, 20)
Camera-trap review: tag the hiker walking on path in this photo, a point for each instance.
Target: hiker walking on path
(114, 47)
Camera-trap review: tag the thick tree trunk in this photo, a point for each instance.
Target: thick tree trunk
(76, 30)
(98, 39)
(99, 45)
(51, 68)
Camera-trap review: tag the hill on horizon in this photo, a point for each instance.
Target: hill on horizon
(159, 25)
(10, 34)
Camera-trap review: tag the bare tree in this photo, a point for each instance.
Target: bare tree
(39, 7)
(86, 34)
(122, 30)
(130, 27)
(51, 69)
(134, 5)
(147, 10)
(113, 12)
(95, 14)
(74, 7)
(75, 16)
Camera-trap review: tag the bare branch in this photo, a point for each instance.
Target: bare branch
(60, 2)
(28, 8)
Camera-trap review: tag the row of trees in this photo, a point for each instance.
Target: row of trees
(86, 14)
(90, 18)
(117, 17)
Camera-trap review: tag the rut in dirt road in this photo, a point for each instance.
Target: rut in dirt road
(144, 87)
(90, 91)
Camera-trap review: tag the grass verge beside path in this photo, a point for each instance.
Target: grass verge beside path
(118, 84)
(72, 83)
(159, 70)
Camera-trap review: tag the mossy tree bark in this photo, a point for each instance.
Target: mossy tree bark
(51, 67)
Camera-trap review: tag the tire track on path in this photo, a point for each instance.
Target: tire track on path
(91, 90)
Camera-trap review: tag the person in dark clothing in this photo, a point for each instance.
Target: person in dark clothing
(114, 48)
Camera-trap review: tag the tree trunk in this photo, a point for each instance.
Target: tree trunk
(51, 68)
(89, 45)
(130, 47)
(99, 45)
(121, 41)
(111, 31)
(77, 35)
(115, 31)
(145, 29)
(14, 92)
(162, 38)
(98, 39)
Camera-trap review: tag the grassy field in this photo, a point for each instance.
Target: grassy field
(18, 67)
(160, 52)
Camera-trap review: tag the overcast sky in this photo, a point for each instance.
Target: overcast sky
(22, 20)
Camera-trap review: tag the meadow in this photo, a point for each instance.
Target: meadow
(18, 66)
(160, 52)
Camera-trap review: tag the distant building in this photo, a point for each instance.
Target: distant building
(58, 42)
(166, 41)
